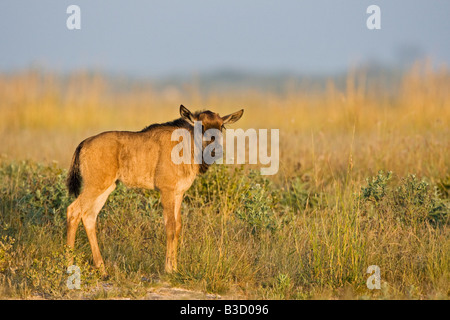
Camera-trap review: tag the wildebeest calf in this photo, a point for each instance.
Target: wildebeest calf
(137, 159)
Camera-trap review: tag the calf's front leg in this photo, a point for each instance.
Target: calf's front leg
(171, 202)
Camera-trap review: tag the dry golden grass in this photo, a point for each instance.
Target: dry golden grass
(43, 119)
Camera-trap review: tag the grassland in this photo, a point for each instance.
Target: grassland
(364, 180)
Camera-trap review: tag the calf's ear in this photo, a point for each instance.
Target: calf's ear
(186, 114)
(232, 118)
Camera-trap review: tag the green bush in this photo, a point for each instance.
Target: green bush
(376, 187)
(412, 201)
(257, 204)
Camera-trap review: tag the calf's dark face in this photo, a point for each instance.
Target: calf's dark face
(210, 120)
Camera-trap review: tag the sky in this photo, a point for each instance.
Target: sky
(156, 38)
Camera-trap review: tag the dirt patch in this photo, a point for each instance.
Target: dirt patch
(167, 293)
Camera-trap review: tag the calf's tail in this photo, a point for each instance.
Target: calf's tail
(74, 179)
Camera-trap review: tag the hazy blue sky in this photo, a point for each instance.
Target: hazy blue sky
(153, 38)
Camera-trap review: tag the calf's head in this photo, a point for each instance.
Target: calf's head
(209, 119)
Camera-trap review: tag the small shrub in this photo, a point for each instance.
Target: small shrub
(415, 201)
(257, 204)
(411, 201)
(377, 187)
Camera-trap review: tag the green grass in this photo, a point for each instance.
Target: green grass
(243, 235)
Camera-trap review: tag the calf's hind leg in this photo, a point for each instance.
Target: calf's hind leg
(86, 208)
(73, 219)
(89, 218)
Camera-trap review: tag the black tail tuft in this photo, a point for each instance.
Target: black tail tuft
(74, 179)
